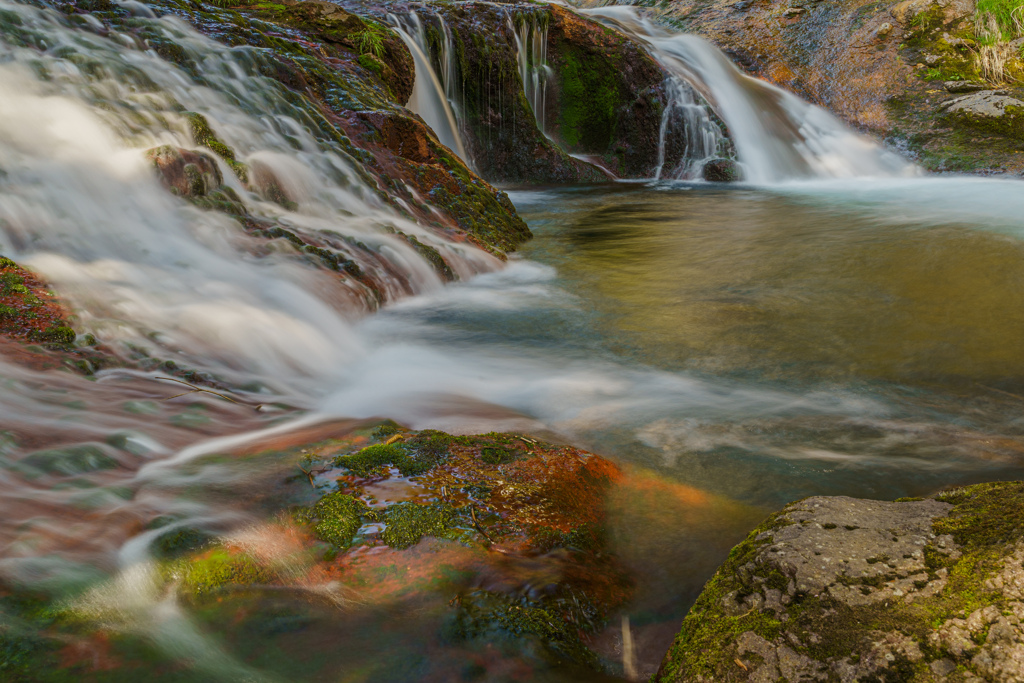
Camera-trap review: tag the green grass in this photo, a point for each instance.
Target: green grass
(1009, 15)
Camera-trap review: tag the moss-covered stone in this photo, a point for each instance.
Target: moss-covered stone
(896, 592)
(408, 523)
(338, 518)
(29, 311)
(216, 569)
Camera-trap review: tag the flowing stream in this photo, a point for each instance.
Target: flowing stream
(749, 344)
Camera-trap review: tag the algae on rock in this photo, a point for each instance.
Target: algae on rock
(840, 589)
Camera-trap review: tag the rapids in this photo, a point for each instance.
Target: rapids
(852, 334)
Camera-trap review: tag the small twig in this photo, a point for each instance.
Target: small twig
(203, 390)
(472, 513)
(1000, 391)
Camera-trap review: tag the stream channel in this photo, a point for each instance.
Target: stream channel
(740, 346)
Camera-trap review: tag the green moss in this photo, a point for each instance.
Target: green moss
(548, 624)
(986, 515)
(57, 333)
(205, 137)
(408, 523)
(216, 569)
(589, 99)
(372, 63)
(387, 429)
(372, 458)
(339, 517)
(493, 455)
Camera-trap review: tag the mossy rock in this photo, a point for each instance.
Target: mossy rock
(988, 111)
(846, 589)
(217, 569)
(338, 518)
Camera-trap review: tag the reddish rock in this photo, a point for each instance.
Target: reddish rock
(184, 172)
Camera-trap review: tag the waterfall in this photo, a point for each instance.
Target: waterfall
(432, 95)
(777, 136)
(686, 112)
(150, 273)
(531, 36)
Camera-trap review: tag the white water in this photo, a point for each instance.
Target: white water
(430, 97)
(777, 135)
(79, 203)
(687, 113)
(531, 36)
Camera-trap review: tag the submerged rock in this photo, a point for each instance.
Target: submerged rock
(722, 171)
(506, 532)
(840, 589)
(185, 173)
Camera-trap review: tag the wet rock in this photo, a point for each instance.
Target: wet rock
(501, 133)
(407, 137)
(722, 171)
(329, 61)
(70, 461)
(609, 96)
(518, 523)
(380, 50)
(28, 309)
(184, 172)
(989, 111)
(835, 588)
(963, 86)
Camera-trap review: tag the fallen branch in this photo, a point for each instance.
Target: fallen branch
(195, 389)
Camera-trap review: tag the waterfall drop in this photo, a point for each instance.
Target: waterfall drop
(432, 96)
(777, 136)
(531, 36)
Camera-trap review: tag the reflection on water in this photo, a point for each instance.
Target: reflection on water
(748, 282)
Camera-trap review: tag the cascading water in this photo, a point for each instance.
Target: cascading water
(432, 97)
(95, 471)
(685, 112)
(155, 272)
(531, 36)
(777, 136)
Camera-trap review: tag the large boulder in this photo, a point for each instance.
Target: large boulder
(988, 110)
(840, 589)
